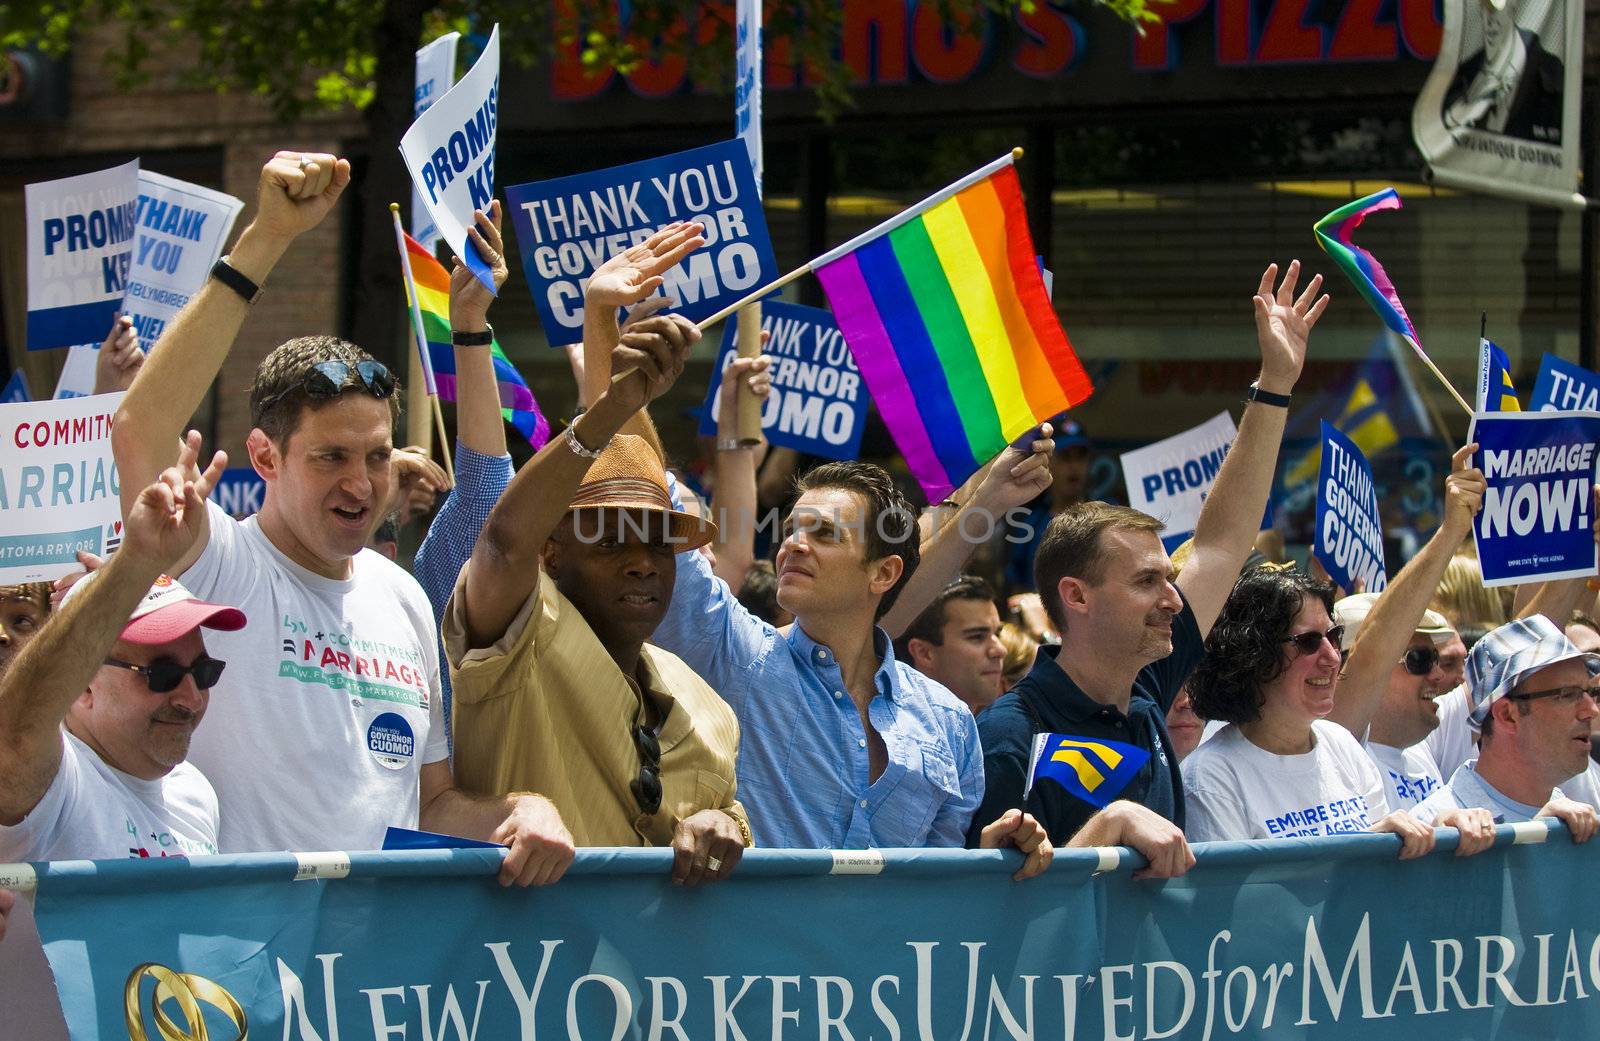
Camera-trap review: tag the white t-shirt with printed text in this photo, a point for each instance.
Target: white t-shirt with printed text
(93, 811)
(316, 735)
(1235, 790)
(1410, 774)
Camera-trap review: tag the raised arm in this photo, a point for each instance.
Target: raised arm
(734, 473)
(57, 665)
(296, 191)
(479, 425)
(1395, 615)
(1232, 514)
(504, 568)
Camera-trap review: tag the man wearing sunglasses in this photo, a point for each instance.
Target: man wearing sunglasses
(97, 713)
(1532, 701)
(341, 734)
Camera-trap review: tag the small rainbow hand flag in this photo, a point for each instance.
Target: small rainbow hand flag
(433, 300)
(946, 313)
(1362, 268)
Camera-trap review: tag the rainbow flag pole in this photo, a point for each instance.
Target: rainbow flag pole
(422, 340)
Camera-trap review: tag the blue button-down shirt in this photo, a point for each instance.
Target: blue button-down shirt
(802, 769)
(445, 550)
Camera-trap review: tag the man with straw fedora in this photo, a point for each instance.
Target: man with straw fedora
(556, 689)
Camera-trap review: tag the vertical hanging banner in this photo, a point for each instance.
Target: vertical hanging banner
(436, 73)
(1349, 527)
(1499, 112)
(450, 153)
(1170, 479)
(58, 486)
(568, 226)
(1539, 507)
(1564, 387)
(818, 403)
(181, 229)
(747, 81)
(80, 250)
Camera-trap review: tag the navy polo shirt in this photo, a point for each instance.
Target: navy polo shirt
(1059, 706)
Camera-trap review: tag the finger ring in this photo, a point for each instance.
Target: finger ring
(714, 863)
(304, 162)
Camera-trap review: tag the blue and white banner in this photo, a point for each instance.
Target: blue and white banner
(1539, 507)
(16, 389)
(1170, 479)
(1349, 526)
(1564, 387)
(449, 150)
(181, 230)
(747, 81)
(80, 250)
(569, 226)
(58, 486)
(818, 403)
(436, 73)
(1292, 939)
(239, 491)
(77, 373)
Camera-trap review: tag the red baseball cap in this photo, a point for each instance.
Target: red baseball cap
(169, 611)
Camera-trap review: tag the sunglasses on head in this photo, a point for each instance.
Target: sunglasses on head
(327, 379)
(163, 675)
(1310, 642)
(646, 787)
(1419, 661)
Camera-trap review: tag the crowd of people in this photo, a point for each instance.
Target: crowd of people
(622, 667)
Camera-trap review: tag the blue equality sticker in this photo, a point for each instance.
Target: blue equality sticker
(391, 741)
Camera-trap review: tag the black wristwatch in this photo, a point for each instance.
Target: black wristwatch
(1266, 397)
(235, 280)
(480, 339)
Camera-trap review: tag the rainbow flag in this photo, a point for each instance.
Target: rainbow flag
(433, 300)
(1362, 268)
(1496, 392)
(946, 313)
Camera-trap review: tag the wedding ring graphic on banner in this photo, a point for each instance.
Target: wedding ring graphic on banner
(188, 991)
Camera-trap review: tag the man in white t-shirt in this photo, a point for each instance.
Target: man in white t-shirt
(97, 713)
(341, 735)
(1532, 701)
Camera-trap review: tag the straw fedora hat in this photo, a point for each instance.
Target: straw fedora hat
(629, 476)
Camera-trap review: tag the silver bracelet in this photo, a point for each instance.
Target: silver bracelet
(577, 446)
(732, 444)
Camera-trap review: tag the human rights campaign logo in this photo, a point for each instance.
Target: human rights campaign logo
(1095, 771)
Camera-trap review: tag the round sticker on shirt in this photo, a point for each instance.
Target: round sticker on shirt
(391, 742)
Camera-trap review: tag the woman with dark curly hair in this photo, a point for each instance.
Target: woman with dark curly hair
(1279, 769)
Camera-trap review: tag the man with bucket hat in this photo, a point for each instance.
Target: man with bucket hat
(556, 690)
(1531, 698)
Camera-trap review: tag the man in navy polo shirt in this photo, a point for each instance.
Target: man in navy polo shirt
(1130, 632)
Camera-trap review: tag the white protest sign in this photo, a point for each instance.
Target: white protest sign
(58, 486)
(747, 81)
(80, 249)
(449, 151)
(181, 230)
(77, 375)
(1169, 479)
(436, 71)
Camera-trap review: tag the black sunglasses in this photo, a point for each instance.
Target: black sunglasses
(327, 379)
(163, 675)
(1419, 661)
(1310, 642)
(646, 787)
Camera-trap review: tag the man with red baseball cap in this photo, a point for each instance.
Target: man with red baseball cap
(97, 711)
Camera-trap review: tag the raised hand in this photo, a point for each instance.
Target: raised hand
(1284, 323)
(470, 298)
(120, 357)
(753, 372)
(168, 516)
(297, 189)
(1463, 490)
(1019, 475)
(650, 358)
(635, 273)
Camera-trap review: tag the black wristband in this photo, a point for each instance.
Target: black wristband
(1266, 397)
(240, 283)
(481, 339)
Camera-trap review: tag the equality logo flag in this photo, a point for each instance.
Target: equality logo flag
(1095, 770)
(1496, 392)
(947, 315)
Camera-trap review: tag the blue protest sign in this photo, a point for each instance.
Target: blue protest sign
(239, 491)
(1538, 509)
(16, 390)
(1564, 387)
(80, 249)
(181, 232)
(818, 403)
(1349, 527)
(569, 226)
(449, 151)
